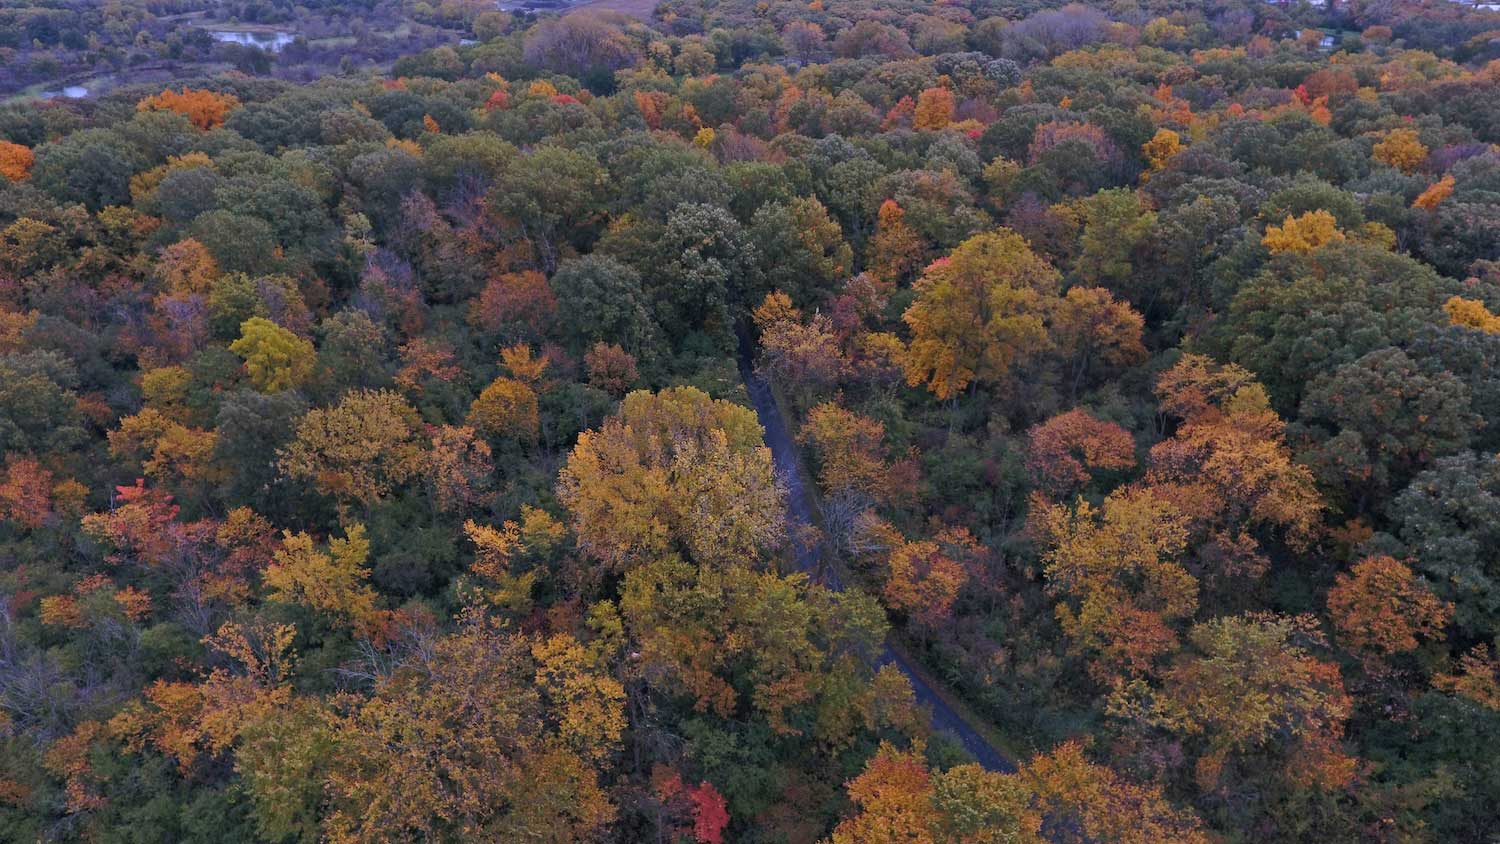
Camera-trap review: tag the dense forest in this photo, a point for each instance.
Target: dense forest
(668, 429)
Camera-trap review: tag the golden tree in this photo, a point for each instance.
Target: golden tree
(1401, 149)
(673, 471)
(978, 313)
(1303, 234)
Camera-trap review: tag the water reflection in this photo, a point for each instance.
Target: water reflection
(70, 92)
(269, 41)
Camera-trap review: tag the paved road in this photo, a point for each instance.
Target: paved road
(800, 506)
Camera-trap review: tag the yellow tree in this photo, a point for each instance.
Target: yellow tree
(187, 721)
(1304, 234)
(358, 450)
(978, 313)
(187, 267)
(275, 358)
(1160, 149)
(460, 743)
(1250, 690)
(586, 706)
(168, 450)
(1118, 573)
(1093, 329)
(507, 408)
(673, 471)
(934, 109)
(333, 583)
(730, 640)
(1058, 796)
(1471, 313)
(1401, 149)
(1080, 801)
(896, 248)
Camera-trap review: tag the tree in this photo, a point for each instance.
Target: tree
(15, 161)
(1433, 196)
(506, 409)
(333, 583)
(522, 298)
(793, 655)
(459, 470)
(800, 248)
(674, 471)
(583, 45)
(1401, 149)
(1252, 691)
(1065, 451)
(360, 449)
(167, 451)
(1382, 418)
(1078, 801)
(1445, 522)
(1160, 149)
(1118, 572)
(1471, 313)
(1092, 329)
(1116, 224)
(461, 744)
(552, 193)
(611, 293)
(934, 109)
(850, 451)
(1477, 679)
(1303, 234)
(26, 492)
(1059, 796)
(705, 268)
(611, 368)
(92, 166)
(1229, 469)
(585, 703)
(894, 799)
(978, 313)
(923, 578)
(276, 358)
(802, 355)
(1380, 608)
(187, 267)
(895, 251)
(710, 814)
(206, 109)
(1303, 316)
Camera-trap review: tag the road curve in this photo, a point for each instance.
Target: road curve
(800, 506)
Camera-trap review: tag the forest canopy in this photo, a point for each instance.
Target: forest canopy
(848, 421)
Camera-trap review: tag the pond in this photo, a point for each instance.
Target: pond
(70, 92)
(271, 42)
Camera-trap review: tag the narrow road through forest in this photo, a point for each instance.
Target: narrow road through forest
(945, 719)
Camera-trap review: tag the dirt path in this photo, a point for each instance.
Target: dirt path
(800, 505)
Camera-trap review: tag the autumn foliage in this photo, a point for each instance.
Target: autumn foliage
(205, 109)
(15, 161)
(846, 421)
